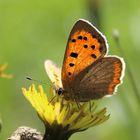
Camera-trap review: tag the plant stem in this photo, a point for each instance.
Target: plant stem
(94, 7)
(128, 70)
(57, 133)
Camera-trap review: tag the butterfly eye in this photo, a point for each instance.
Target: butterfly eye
(60, 91)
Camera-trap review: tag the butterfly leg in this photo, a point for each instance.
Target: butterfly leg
(51, 91)
(78, 104)
(52, 96)
(52, 99)
(90, 106)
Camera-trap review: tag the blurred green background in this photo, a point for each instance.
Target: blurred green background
(32, 31)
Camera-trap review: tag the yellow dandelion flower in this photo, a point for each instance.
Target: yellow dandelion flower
(2, 73)
(63, 118)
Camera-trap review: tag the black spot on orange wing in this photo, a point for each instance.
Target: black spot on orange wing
(85, 38)
(99, 40)
(80, 37)
(73, 40)
(71, 64)
(93, 55)
(85, 46)
(74, 54)
(69, 73)
(93, 47)
(101, 49)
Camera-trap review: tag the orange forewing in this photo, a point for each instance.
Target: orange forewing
(88, 50)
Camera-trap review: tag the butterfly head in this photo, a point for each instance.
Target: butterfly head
(60, 91)
(63, 93)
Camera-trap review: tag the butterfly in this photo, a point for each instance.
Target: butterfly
(88, 73)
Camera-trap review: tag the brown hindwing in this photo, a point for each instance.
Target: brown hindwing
(99, 79)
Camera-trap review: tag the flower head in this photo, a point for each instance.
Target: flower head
(2, 69)
(63, 117)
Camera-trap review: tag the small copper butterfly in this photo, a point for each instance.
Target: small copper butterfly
(87, 72)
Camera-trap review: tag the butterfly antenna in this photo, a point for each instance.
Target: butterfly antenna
(31, 79)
